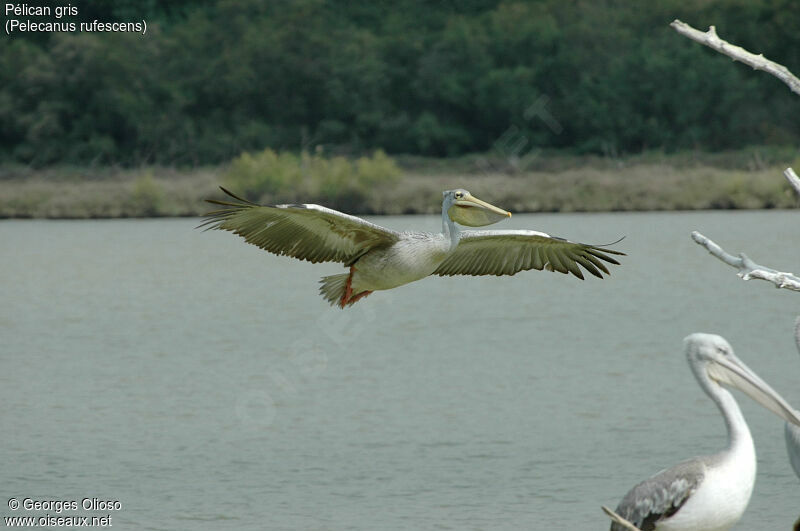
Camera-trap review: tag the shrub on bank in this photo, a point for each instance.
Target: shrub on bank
(272, 177)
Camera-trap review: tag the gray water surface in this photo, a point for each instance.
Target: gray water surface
(204, 384)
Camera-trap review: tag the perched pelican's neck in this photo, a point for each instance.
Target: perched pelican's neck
(739, 438)
(450, 229)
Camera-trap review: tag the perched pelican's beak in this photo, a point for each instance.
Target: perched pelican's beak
(733, 372)
(472, 212)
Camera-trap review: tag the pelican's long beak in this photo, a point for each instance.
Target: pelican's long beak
(472, 212)
(732, 371)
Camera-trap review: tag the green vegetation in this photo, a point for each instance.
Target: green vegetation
(215, 78)
(72, 192)
(550, 183)
(543, 105)
(335, 181)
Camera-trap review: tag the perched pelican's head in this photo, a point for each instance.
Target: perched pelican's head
(713, 362)
(465, 209)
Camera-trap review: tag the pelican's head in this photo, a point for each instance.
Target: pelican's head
(713, 362)
(465, 209)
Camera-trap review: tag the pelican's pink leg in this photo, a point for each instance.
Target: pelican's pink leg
(348, 289)
(359, 296)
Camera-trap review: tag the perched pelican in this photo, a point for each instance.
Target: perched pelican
(793, 432)
(710, 492)
(381, 258)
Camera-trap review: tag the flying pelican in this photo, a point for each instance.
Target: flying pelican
(710, 492)
(381, 258)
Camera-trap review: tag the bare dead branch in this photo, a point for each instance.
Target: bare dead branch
(791, 176)
(618, 519)
(737, 53)
(747, 268)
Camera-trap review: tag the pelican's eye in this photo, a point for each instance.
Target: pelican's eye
(723, 350)
(459, 195)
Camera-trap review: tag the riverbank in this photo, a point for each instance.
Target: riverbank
(743, 180)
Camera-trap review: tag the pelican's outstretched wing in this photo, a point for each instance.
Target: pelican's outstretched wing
(506, 252)
(307, 232)
(661, 496)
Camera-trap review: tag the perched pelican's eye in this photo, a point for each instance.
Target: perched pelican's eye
(459, 195)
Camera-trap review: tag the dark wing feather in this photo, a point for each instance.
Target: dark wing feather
(661, 496)
(506, 252)
(308, 232)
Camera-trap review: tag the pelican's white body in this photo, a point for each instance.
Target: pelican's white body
(411, 258)
(722, 497)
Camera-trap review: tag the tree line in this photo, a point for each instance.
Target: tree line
(212, 79)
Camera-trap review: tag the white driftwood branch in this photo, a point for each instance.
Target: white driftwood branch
(747, 268)
(618, 519)
(791, 176)
(758, 62)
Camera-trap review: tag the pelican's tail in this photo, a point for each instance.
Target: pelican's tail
(338, 290)
(333, 288)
